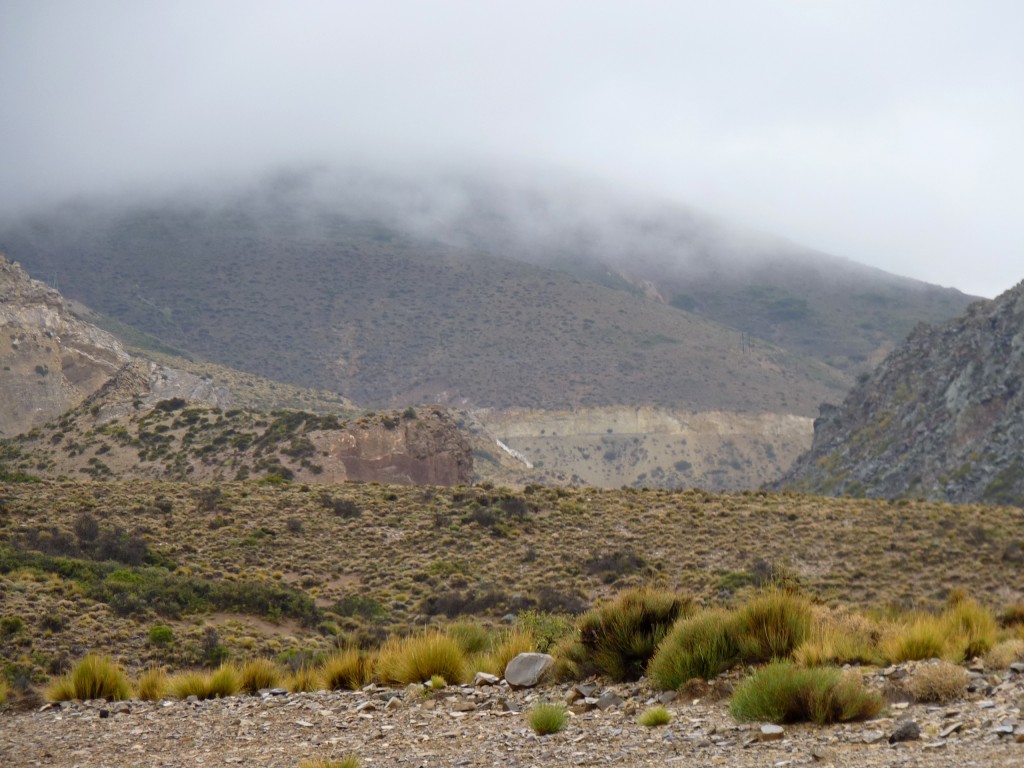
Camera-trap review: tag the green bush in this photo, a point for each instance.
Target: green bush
(771, 625)
(94, 677)
(547, 718)
(160, 634)
(698, 646)
(621, 636)
(782, 692)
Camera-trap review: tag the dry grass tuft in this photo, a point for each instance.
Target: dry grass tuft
(152, 684)
(923, 637)
(305, 679)
(417, 659)
(94, 677)
(349, 669)
(349, 761)
(938, 683)
(256, 674)
(1002, 655)
(840, 637)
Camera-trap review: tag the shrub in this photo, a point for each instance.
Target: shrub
(416, 659)
(160, 634)
(782, 692)
(1013, 615)
(971, 628)
(547, 629)
(259, 673)
(924, 637)
(152, 684)
(4, 690)
(547, 718)
(346, 669)
(771, 625)
(621, 636)
(94, 677)
(698, 646)
(1005, 653)
(349, 761)
(938, 683)
(652, 717)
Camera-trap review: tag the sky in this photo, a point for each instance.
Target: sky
(890, 132)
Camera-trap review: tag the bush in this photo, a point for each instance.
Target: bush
(94, 677)
(160, 634)
(652, 717)
(698, 646)
(621, 636)
(782, 692)
(838, 637)
(547, 629)
(547, 718)
(346, 669)
(152, 684)
(416, 659)
(1005, 653)
(471, 637)
(256, 674)
(938, 683)
(771, 625)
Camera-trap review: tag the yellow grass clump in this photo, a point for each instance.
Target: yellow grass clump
(94, 677)
(416, 659)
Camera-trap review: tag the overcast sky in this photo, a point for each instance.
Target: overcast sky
(890, 131)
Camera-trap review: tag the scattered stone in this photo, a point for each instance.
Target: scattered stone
(393, 703)
(986, 704)
(278, 692)
(819, 754)
(1005, 729)
(950, 729)
(122, 708)
(872, 737)
(304, 723)
(483, 678)
(527, 669)
(586, 689)
(104, 714)
(366, 706)
(1018, 667)
(935, 745)
(609, 699)
(908, 730)
(771, 732)
(667, 697)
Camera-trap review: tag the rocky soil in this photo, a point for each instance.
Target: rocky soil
(486, 726)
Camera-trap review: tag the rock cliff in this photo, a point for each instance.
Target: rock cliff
(942, 417)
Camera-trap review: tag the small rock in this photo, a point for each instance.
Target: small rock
(667, 697)
(278, 692)
(935, 745)
(872, 737)
(819, 754)
(771, 732)
(304, 723)
(527, 669)
(1018, 667)
(1006, 729)
(908, 730)
(1019, 737)
(104, 714)
(986, 704)
(950, 729)
(393, 703)
(366, 706)
(122, 708)
(609, 699)
(483, 678)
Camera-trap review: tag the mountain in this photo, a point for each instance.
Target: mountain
(941, 418)
(77, 404)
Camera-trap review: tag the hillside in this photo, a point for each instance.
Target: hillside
(941, 418)
(466, 292)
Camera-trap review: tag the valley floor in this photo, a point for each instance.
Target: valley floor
(487, 727)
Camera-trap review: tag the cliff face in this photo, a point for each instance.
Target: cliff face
(942, 417)
(49, 360)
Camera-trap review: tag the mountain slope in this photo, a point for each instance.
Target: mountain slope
(942, 417)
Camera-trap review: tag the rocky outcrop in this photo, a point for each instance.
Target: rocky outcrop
(49, 360)
(426, 450)
(942, 417)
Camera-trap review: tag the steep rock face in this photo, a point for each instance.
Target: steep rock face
(49, 360)
(942, 417)
(428, 450)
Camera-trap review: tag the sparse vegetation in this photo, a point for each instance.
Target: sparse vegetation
(547, 718)
(938, 682)
(652, 717)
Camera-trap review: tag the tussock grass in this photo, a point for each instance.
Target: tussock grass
(652, 717)
(94, 677)
(621, 636)
(938, 683)
(924, 636)
(782, 692)
(305, 679)
(971, 627)
(772, 624)
(152, 684)
(348, 668)
(259, 673)
(224, 681)
(416, 659)
(545, 718)
(471, 637)
(506, 646)
(839, 637)
(702, 646)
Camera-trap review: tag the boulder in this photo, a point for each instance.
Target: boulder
(527, 669)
